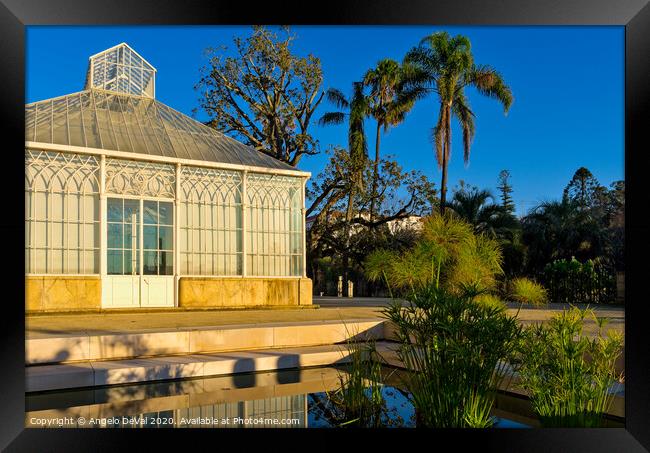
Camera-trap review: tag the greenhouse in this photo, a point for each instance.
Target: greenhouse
(130, 203)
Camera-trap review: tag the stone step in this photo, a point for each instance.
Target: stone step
(132, 400)
(101, 373)
(82, 347)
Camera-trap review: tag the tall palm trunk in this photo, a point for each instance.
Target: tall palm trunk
(445, 152)
(346, 252)
(443, 183)
(375, 174)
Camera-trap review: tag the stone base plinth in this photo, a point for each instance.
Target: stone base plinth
(203, 292)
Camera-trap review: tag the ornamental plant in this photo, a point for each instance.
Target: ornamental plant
(457, 350)
(568, 374)
(527, 291)
(572, 281)
(448, 254)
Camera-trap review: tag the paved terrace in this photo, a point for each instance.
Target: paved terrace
(81, 350)
(331, 309)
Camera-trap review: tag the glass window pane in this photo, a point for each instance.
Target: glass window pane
(115, 235)
(128, 262)
(58, 263)
(166, 213)
(150, 264)
(150, 214)
(57, 234)
(114, 261)
(131, 207)
(165, 238)
(166, 263)
(128, 235)
(90, 235)
(114, 210)
(150, 238)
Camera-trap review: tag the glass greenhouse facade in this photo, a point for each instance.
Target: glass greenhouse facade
(130, 203)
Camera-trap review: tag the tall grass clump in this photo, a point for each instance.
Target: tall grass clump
(527, 291)
(358, 401)
(448, 253)
(568, 374)
(490, 300)
(457, 350)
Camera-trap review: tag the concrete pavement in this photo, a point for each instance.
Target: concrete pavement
(331, 309)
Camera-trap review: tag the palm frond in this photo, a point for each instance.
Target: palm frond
(490, 83)
(464, 114)
(439, 134)
(330, 118)
(337, 98)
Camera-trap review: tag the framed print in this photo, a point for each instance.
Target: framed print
(375, 216)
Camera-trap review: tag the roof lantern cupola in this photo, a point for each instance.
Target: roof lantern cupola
(121, 69)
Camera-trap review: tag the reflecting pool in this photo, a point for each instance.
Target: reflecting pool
(284, 399)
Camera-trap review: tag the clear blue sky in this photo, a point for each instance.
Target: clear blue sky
(568, 84)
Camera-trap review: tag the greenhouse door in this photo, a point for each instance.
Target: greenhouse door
(139, 254)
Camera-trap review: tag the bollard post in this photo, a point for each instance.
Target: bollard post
(339, 287)
(350, 288)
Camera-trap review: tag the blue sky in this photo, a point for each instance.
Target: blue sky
(568, 84)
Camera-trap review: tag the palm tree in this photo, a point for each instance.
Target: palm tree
(561, 229)
(477, 207)
(389, 102)
(355, 110)
(445, 66)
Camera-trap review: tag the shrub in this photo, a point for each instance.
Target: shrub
(456, 349)
(490, 300)
(570, 281)
(447, 254)
(567, 374)
(526, 291)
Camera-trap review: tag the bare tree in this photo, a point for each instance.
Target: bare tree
(263, 94)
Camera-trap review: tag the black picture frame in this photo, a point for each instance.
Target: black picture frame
(634, 15)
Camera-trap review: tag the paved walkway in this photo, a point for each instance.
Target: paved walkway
(332, 309)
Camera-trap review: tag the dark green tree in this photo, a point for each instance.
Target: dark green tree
(477, 207)
(505, 190)
(357, 111)
(562, 230)
(333, 243)
(584, 189)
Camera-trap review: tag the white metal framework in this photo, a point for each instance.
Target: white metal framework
(120, 185)
(61, 213)
(123, 70)
(130, 177)
(63, 221)
(210, 221)
(267, 410)
(274, 225)
(105, 120)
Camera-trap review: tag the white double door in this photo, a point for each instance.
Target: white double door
(139, 253)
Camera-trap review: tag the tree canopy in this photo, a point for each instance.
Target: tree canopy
(444, 65)
(505, 190)
(263, 94)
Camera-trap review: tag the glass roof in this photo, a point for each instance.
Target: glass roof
(136, 124)
(117, 111)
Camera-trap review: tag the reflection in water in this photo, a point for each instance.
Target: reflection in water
(283, 399)
(397, 411)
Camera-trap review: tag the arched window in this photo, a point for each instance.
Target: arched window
(274, 225)
(61, 213)
(210, 216)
